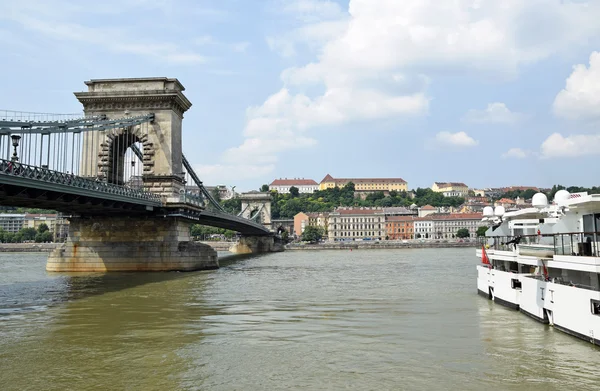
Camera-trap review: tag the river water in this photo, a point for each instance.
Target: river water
(328, 320)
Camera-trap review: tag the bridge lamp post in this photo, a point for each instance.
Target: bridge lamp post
(15, 142)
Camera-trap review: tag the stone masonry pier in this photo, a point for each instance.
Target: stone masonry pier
(256, 245)
(105, 244)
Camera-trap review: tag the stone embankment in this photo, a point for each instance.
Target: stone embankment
(219, 246)
(378, 245)
(27, 247)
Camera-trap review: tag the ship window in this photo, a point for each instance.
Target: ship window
(515, 283)
(595, 307)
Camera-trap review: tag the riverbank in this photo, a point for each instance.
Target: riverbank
(378, 245)
(28, 247)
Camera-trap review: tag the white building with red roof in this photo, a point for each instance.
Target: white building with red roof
(282, 185)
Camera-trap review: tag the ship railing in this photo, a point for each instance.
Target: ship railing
(585, 244)
(503, 243)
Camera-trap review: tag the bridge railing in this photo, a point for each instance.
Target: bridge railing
(26, 171)
(191, 199)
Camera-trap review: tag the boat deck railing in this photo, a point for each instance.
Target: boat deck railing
(577, 243)
(586, 244)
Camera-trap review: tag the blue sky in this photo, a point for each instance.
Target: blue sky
(478, 91)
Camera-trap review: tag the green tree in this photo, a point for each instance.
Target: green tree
(294, 192)
(312, 234)
(482, 230)
(216, 194)
(44, 237)
(232, 205)
(27, 234)
(462, 233)
(47, 236)
(43, 228)
(264, 188)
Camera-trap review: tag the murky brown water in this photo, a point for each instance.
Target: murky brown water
(364, 320)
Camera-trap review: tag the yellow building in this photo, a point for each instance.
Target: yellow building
(365, 184)
(451, 189)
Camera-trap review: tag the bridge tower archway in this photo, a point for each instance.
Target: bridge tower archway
(161, 139)
(254, 203)
(121, 164)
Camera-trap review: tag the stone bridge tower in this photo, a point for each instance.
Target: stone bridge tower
(257, 202)
(134, 242)
(160, 139)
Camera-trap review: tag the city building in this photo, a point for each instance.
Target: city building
(451, 189)
(319, 219)
(316, 219)
(365, 184)
(12, 222)
(280, 225)
(300, 222)
(423, 227)
(426, 210)
(399, 227)
(346, 223)
(445, 226)
(506, 203)
(520, 188)
(57, 224)
(282, 186)
(35, 220)
(400, 211)
(489, 192)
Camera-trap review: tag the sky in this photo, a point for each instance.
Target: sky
(489, 93)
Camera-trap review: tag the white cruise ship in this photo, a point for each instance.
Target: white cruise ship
(545, 262)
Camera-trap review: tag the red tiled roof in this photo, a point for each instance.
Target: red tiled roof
(506, 201)
(30, 215)
(428, 207)
(293, 182)
(399, 218)
(329, 178)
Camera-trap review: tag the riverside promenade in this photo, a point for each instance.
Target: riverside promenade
(384, 244)
(27, 247)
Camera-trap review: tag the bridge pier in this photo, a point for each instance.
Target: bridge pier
(105, 244)
(256, 245)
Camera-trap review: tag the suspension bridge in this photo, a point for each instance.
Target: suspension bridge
(119, 172)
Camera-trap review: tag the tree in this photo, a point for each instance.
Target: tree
(216, 194)
(312, 234)
(232, 205)
(294, 192)
(43, 228)
(264, 188)
(482, 230)
(27, 234)
(462, 233)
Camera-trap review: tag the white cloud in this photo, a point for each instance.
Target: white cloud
(580, 99)
(494, 113)
(556, 145)
(515, 153)
(367, 58)
(459, 139)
